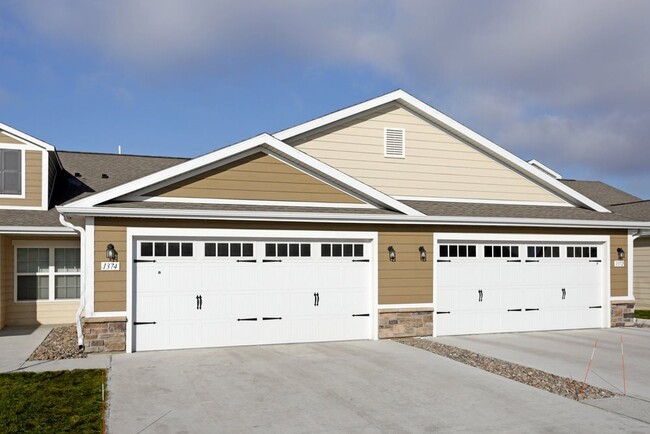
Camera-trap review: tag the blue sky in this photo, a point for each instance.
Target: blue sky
(566, 83)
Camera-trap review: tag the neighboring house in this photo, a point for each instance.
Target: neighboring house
(383, 219)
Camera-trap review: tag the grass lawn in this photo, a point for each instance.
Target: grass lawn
(643, 314)
(51, 402)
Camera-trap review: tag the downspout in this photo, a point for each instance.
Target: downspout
(82, 290)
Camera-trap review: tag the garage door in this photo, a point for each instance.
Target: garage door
(493, 287)
(192, 293)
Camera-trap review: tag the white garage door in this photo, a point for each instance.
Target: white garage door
(493, 287)
(215, 292)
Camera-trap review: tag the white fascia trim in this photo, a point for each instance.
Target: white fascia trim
(26, 137)
(266, 143)
(36, 230)
(406, 306)
(448, 123)
(246, 202)
(342, 218)
(544, 168)
(488, 201)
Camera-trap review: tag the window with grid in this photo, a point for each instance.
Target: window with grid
(48, 273)
(10, 171)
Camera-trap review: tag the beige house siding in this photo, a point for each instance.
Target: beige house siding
(642, 273)
(437, 164)
(618, 275)
(405, 281)
(32, 312)
(4, 138)
(33, 182)
(259, 177)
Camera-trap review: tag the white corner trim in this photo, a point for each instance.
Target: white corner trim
(265, 143)
(25, 137)
(88, 249)
(161, 199)
(544, 168)
(453, 126)
(486, 201)
(45, 180)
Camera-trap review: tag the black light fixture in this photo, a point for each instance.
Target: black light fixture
(392, 256)
(621, 253)
(111, 254)
(423, 254)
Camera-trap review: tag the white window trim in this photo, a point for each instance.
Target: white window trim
(387, 155)
(51, 273)
(23, 187)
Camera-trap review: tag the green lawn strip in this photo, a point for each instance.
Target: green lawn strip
(643, 314)
(51, 402)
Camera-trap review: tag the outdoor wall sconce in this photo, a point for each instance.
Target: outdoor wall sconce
(621, 253)
(111, 254)
(423, 254)
(392, 256)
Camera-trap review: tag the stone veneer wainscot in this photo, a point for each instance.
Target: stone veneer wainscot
(402, 323)
(103, 335)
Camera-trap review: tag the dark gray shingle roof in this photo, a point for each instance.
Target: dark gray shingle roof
(639, 210)
(600, 192)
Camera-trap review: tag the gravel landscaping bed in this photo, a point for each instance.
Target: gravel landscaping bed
(61, 343)
(533, 377)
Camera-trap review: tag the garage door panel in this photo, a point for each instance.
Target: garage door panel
(246, 301)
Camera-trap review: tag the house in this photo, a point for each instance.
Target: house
(383, 219)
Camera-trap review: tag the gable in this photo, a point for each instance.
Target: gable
(436, 164)
(5, 138)
(259, 177)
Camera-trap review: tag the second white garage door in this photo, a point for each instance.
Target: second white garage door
(497, 286)
(216, 292)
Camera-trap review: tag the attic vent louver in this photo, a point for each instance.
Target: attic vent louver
(394, 145)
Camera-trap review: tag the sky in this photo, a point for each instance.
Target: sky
(563, 82)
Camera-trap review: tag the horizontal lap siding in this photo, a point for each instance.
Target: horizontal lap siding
(33, 182)
(619, 276)
(259, 177)
(405, 281)
(642, 273)
(30, 313)
(4, 138)
(437, 164)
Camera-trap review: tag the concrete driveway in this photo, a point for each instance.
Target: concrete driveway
(366, 386)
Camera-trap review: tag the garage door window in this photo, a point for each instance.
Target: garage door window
(457, 251)
(543, 251)
(230, 250)
(581, 252)
(501, 251)
(164, 249)
(335, 250)
(273, 250)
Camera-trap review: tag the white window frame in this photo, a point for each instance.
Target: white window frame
(23, 187)
(51, 273)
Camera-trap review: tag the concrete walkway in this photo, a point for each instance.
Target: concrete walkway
(18, 343)
(364, 386)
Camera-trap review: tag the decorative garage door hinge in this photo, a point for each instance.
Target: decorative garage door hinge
(143, 322)
(144, 260)
(360, 314)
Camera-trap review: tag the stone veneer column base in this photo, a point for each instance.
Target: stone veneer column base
(622, 314)
(103, 335)
(403, 323)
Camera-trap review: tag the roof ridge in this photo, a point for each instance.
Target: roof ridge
(125, 155)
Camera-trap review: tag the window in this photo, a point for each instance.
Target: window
(501, 251)
(543, 251)
(287, 249)
(163, 249)
(228, 250)
(581, 252)
(394, 145)
(346, 250)
(457, 251)
(11, 171)
(48, 273)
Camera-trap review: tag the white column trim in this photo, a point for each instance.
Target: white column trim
(89, 252)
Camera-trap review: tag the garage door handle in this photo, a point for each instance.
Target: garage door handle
(199, 302)
(480, 295)
(595, 307)
(144, 322)
(246, 319)
(443, 313)
(532, 260)
(316, 298)
(268, 318)
(514, 310)
(271, 260)
(246, 260)
(563, 293)
(144, 260)
(360, 314)
(531, 309)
